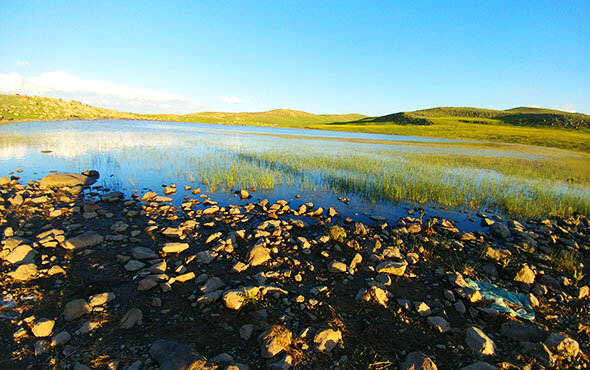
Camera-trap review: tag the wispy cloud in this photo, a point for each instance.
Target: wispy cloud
(21, 63)
(565, 107)
(533, 106)
(231, 100)
(63, 84)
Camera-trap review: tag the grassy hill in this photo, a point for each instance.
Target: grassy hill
(523, 125)
(534, 126)
(35, 108)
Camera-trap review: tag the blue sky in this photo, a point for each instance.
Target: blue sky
(371, 57)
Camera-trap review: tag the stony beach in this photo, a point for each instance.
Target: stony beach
(92, 279)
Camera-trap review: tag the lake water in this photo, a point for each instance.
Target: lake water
(140, 155)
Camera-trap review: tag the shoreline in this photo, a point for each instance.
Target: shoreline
(101, 279)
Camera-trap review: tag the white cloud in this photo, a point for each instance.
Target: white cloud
(565, 107)
(63, 84)
(232, 100)
(21, 63)
(533, 106)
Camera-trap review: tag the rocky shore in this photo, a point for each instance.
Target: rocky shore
(93, 280)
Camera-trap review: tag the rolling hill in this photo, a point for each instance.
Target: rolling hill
(523, 125)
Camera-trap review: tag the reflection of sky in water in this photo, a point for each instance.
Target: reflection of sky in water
(129, 154)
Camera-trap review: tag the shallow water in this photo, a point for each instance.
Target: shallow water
(134, 154)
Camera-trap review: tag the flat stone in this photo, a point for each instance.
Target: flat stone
(212, 284)
(146, 284)
(392, 268)
(60, 180)
(21, 254)
(134, 265)
(143, 253)
(185, 277)
(75, 309)
(85, 240)
(24, 272)
(174, 247)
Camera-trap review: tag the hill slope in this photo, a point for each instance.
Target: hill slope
(534, 126)
(34, 108)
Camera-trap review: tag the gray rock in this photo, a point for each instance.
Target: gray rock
(325, 340)
(337, 267)
(479, 366)
(525, 275)
(284, 363)
(75, 309)
(131, 318)
(143, 253)
(562, 344)
(540, 352)
(524, 332)
(134, 265)
(42, 328)
(418, 361)
(246, 331)
(439, 324)
(177, 356)
(479, 342)
(258, 255)
(499, 231)
(135, 366)
(60, 338)
(212, 285)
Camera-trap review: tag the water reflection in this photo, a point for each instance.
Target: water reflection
(381, 169)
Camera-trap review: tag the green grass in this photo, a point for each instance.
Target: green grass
(530, 126)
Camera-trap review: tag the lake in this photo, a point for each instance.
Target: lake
(382, 175)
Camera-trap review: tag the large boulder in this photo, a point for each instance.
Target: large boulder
(60, 180)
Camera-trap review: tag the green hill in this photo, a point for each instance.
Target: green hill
(34, 108)
(523, 125)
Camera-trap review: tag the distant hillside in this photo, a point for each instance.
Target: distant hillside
(523, 116)
(34, 108)
(533, 126)
(278, 117)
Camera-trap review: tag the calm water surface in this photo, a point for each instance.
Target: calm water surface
(140, 155)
